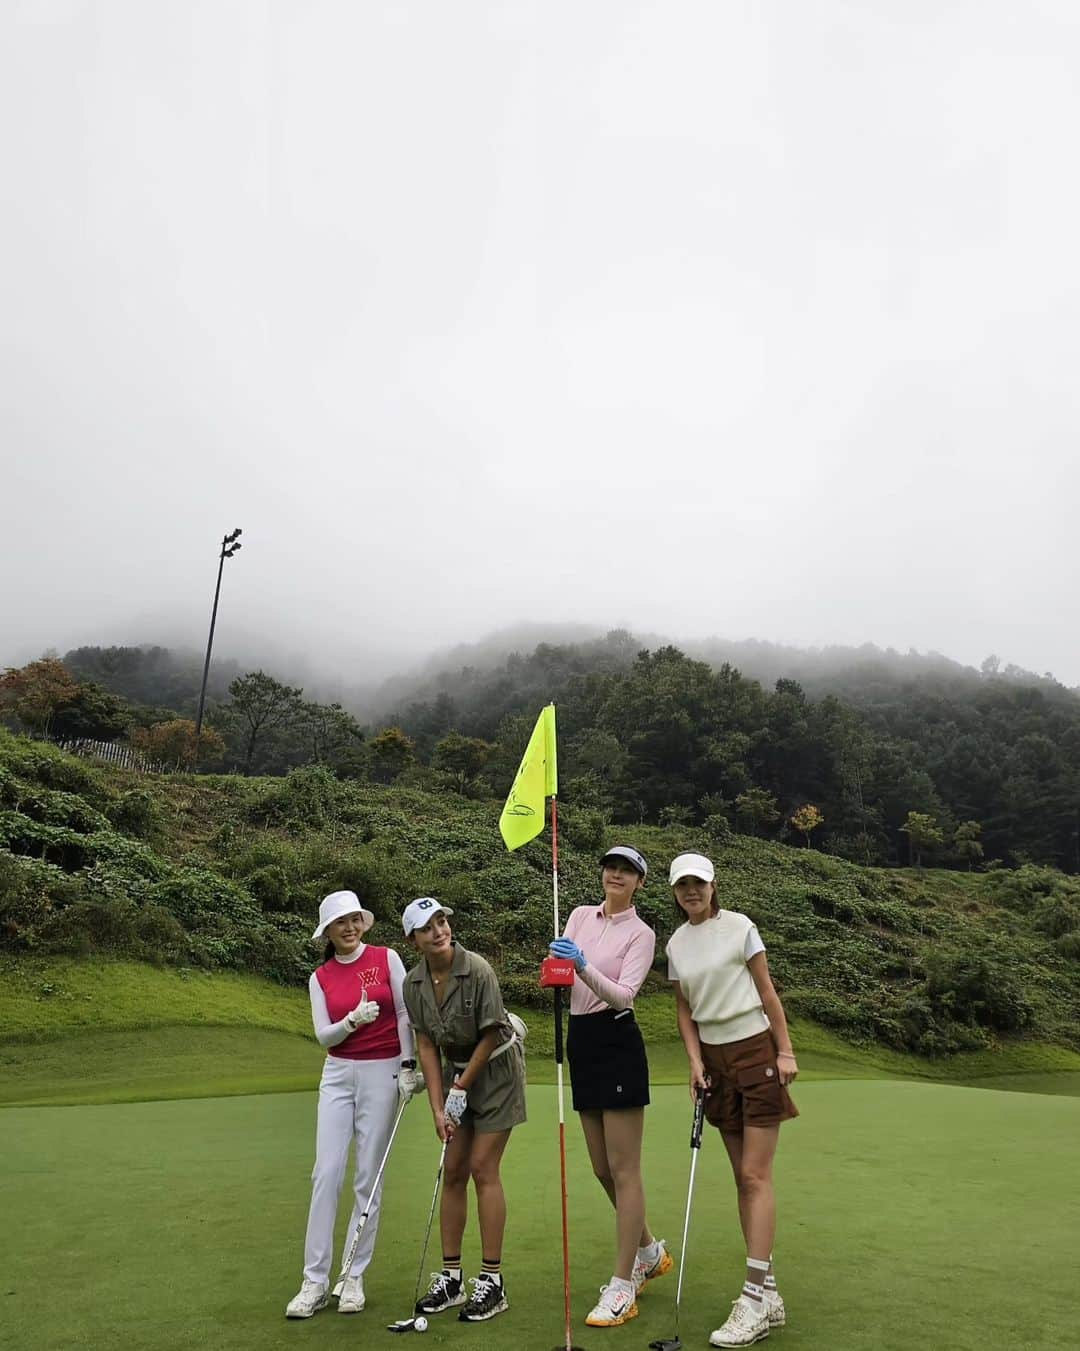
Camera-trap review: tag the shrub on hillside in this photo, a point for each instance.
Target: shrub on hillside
(134, 813)
(270, 887)
(305, 797)
(978, 987)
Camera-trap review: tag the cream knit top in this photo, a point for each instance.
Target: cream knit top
(709, 962)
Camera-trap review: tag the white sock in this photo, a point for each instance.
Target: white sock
(622, 1287)
(650, 1254)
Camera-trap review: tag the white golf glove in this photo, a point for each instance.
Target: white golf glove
(365, 1012)
(454, 1107)
(409, 1082)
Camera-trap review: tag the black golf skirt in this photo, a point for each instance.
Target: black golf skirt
(608, 1065)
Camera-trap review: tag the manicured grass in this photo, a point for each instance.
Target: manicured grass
(42, 997)
(175, 1225)
(94, 1031)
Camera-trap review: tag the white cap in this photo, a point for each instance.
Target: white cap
(631, 855)
(418, 912)
(338, 904)
(691, 865)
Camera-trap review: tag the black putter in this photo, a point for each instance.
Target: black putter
(675, 1343)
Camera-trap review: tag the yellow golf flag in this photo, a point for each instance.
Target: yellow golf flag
(537, 778)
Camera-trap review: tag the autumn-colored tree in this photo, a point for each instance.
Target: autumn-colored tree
(173, 743)
(34, 693)
(966, 842)
(923, 833)
(391, 752)
(806, 820)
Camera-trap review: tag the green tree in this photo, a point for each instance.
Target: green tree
(967, 844)
(462, 757)
(923, 833)
(92, 713)
(806, 820)
(758, 808)
(328, 730)
(259, 704)
(391, 753)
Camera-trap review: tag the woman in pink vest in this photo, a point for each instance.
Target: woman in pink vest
(612, 948)
(359, 1014)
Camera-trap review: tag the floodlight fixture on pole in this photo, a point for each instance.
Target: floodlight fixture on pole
(229, 545)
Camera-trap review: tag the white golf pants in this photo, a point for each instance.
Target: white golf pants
(357, 1099)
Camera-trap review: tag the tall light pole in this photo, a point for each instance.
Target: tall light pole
(229, 546)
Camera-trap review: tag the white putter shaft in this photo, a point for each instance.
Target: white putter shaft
(351, 1253)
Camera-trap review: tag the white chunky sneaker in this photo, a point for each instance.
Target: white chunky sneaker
(747, 1323)
(613, 1307)
(643, 1274)
(774, 1306)
(309, 1299)
(352, 1295)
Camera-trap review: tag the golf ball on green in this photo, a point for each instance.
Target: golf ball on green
(421, 1324)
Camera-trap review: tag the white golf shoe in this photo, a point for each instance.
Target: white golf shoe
(663, 1264)
(308, 1300)
(613, 1308)
(774, 1306)
(352, 1295)
(747, 1323)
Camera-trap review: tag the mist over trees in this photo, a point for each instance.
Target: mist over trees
(894, 759)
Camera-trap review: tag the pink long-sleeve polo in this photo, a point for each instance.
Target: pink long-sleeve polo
(618, 952)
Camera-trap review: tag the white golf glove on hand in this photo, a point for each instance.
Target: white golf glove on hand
(365, 1012)
(409, 1082)
(454, 1107)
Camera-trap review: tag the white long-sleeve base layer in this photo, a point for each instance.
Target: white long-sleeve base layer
(358, 1099)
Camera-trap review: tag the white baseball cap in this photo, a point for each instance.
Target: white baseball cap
(691, 865)
(337, 905)
(631, 855)
(418, 912)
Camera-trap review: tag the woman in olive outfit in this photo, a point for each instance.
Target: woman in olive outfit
(736, 1037)
(473, 1064)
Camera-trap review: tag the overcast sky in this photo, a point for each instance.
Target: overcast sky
(743, 319)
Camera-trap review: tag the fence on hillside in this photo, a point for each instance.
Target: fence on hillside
(115, 753)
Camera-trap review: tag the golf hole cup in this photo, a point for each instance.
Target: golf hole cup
(556, 971)
(421, 1324)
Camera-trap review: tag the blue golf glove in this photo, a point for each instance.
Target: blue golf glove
(569, 951)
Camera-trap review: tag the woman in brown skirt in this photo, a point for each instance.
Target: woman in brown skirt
(736, 1037)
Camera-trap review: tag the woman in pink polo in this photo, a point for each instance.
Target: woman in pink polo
(612, 949)
(358, 1010)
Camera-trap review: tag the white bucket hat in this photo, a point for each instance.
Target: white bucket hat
(337, 904)
(691, 865)
(418, 912)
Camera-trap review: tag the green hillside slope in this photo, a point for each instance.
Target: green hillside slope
(224, 874)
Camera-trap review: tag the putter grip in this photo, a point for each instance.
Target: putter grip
(699, 1120)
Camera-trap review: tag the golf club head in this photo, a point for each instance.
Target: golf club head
(336, 1292)
(402, 1325)
(666, 1344)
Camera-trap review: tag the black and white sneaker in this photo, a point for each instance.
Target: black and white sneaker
(487, 1299)
(445, 1292)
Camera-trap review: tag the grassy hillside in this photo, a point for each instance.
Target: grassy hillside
(224, 874)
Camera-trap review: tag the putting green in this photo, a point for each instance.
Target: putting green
(911, 1213)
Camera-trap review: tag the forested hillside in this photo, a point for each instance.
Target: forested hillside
(876, 758)
(226, 872)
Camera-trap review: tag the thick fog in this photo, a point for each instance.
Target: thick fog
(738, 319)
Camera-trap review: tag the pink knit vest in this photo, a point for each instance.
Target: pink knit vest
(343, 984)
